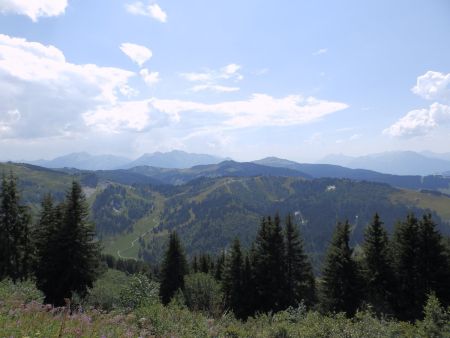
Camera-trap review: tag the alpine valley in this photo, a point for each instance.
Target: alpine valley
(209, 205)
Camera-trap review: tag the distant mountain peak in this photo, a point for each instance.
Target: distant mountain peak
(393, 162)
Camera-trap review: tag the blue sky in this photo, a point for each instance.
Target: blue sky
(245, 79)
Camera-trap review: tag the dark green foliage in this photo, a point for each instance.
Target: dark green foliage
(232, 279)
(72, 261)
(300, 283)
(202, 293)
(173, 270)
(377, 268)
(248, 289)
(433, 261)
(340, 281)
(15, 242)
(129, 266)
(269, 266)
(117, 208)
(218, 269)
(421, 265)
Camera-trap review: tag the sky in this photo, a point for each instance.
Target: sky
(242, 79)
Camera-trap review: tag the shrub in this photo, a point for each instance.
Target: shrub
(202, 293)
(20, 292)
(140, 291)
(106, 292)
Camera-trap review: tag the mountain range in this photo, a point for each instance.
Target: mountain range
(173, 159)
(209, 205)
(395, 162)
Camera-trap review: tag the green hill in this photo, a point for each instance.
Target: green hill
(134, 216)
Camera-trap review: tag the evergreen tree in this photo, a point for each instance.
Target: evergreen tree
(377, 267)
(269, 269)
(194, 264)
(15, 244)
(73, 255)
(408, 303)
(248, 289)
(205, 263)
(340, 280)
(232, 279)
(432, 262)
(300, 283)
(173, 269)
(219, 266)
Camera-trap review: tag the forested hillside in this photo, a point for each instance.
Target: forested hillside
(134, 213)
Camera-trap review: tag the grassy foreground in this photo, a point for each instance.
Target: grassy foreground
(22, 314)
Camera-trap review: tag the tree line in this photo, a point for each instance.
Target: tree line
(391, 275)
(60, 250)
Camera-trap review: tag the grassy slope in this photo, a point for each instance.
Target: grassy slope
(439, 204)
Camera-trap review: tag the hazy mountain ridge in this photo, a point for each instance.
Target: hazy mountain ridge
(395, 162)
(85, 161)
(415, 182)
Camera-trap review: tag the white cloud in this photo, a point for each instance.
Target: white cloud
(49, 92)
(124, 116)
(210, 79)
(420, 121)
(136, 53)
(430, 86)
(150, 10)
(320, 51)
(433, 86)
(34, 8)
(150, 78)
(260, 110)
(194, 77)
(215, 88)
(7, 121)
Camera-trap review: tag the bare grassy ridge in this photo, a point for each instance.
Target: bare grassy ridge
(22, 314)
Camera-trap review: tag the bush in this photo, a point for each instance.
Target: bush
(436, 323)
(20, 292)
(106, 292)
(202, 293)
(140, 291)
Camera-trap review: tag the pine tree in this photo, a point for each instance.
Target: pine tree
(194, 264)
(340, 280)
(405, 244)
(248, 289)
(219, 266)
(15, 244)
(232, 279)
(377, 267)
(269, 266)
(48, 248)
(432, 262)
(173, 269)
(73, 253)
(300, 283)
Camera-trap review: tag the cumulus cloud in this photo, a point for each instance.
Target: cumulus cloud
(137, 53)
(34, 9)
(124, 116)
(420, 121)
(150, 78)
(150, 10)
(259, 110)
(433, 86)
(430, 86)
(209, 80)
(49, 92)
